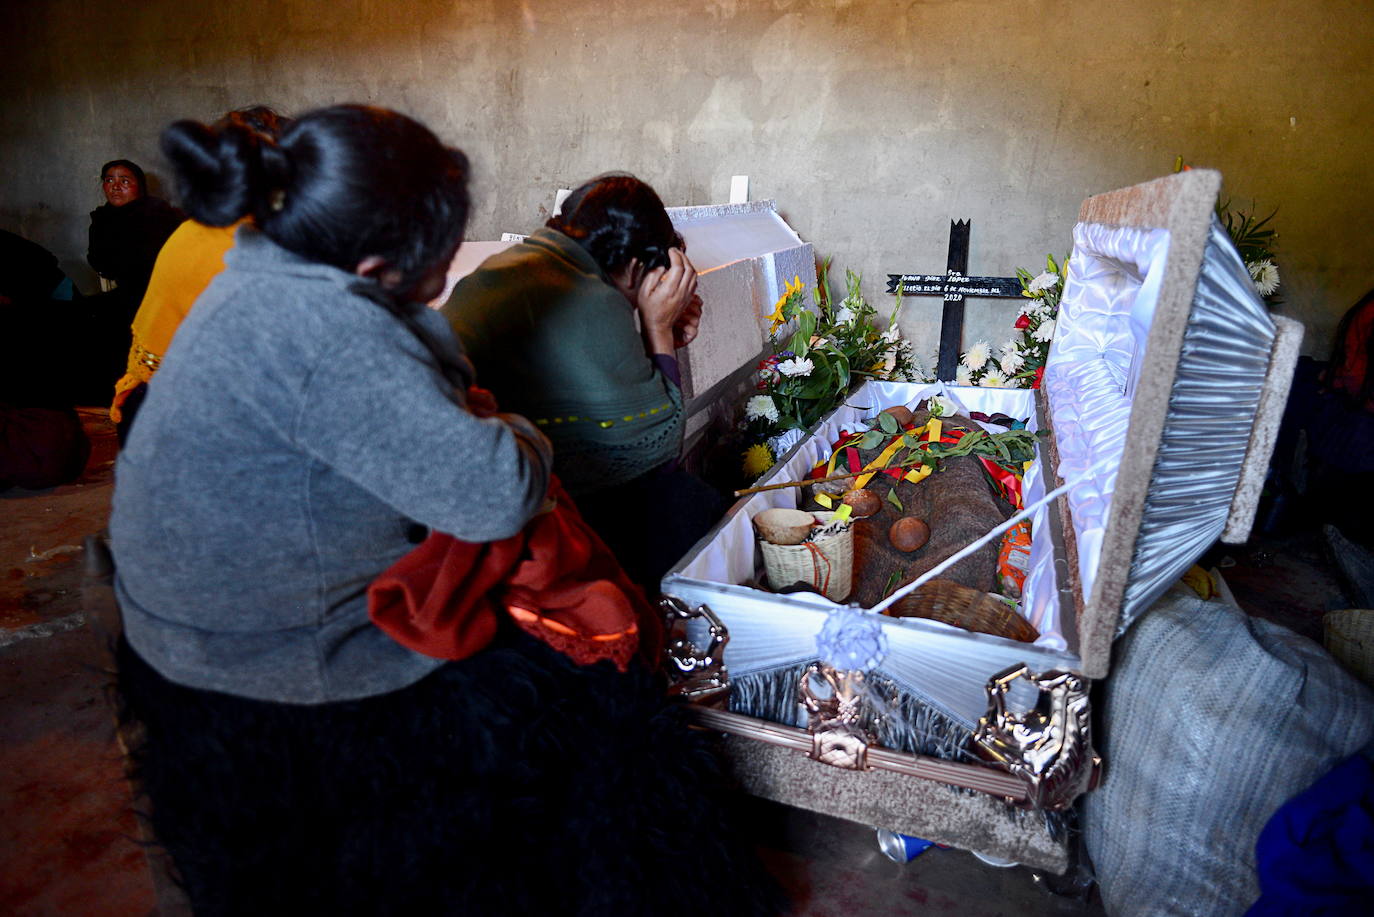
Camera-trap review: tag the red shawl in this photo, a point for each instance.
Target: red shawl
(556, 579)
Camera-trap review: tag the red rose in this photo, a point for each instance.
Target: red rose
(1022, 322)
(1039, 374)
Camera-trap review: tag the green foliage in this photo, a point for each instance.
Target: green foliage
(831, 349)
(1254, 238)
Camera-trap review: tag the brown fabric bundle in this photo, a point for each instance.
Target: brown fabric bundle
(957, 502)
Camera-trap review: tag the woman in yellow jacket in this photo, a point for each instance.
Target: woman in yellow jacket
(192, 256)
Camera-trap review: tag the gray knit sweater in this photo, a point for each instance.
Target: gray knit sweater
(293, 438)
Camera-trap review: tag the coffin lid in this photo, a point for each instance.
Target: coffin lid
(744, 254)
(1205, 398)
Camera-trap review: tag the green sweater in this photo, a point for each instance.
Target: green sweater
(555, 341)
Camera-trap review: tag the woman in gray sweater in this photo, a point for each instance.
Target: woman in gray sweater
(307, 428)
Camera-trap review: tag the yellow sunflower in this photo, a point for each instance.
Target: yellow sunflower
(777, 317)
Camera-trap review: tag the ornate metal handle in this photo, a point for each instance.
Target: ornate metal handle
(698, 675)
(843, 721)
(1050, 745)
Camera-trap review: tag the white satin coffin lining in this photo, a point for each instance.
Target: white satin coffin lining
(1110, 292)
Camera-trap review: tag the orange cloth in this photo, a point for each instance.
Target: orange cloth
(556, 579)
(192, 256)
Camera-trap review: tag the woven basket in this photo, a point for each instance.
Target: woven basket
(1349, 636)
(826, 564)
(947, 601)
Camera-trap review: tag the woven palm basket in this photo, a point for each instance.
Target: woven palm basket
(947, 601)
(825, 564)
(1349, 636)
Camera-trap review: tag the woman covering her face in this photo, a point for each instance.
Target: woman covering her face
(577, 328)
(310, 424)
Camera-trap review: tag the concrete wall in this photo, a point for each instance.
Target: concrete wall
(871, 123)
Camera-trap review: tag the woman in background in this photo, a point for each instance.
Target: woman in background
(126, 233)
(311, 423)
(128, 230)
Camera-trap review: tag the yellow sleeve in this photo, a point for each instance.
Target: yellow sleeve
(192, 256)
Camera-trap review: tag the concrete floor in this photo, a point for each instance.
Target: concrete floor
(69, 843)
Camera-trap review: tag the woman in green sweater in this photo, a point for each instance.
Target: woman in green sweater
(576, 328)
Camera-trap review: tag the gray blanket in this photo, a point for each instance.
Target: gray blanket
(1213, 720)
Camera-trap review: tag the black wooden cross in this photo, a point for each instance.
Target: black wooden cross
(953, 285)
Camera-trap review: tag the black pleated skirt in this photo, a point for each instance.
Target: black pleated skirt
(513, 782)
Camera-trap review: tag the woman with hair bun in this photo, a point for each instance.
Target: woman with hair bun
(310, 424)
(551, 326)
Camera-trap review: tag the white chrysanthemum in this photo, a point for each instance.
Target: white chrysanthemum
(1044, 332)
(1265, 275)
(976, 357)
(1043, 282)
(797, 366)
(1011, 361)
(940, 406)
(963, 375)
(761, 407)
(993, 378)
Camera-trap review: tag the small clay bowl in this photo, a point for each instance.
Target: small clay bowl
(900, 413)
(863, 503)
(909, 534)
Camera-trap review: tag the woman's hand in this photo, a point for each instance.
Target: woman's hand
(688, 323)
(662, 296)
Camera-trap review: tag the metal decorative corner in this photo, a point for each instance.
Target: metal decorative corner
(841, 718)
(1049, 746)
(695, 674)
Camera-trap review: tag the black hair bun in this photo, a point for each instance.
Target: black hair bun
(219, 171)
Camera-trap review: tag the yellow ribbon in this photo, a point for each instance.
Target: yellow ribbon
(933, 432)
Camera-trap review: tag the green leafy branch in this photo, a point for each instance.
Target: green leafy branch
(1011, 448)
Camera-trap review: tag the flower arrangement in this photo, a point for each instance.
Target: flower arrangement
(830, 351)
(1254, 239)
(1020, 362)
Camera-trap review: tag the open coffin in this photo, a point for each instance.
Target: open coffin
(1161, 398)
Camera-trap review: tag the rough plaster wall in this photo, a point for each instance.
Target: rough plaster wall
(872, 123)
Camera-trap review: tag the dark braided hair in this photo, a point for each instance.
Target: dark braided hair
(618, 218)
(340, 185)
